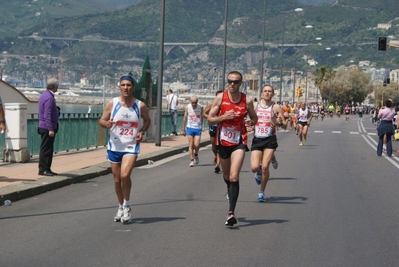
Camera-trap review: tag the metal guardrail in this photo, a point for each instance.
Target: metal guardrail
(81, 131)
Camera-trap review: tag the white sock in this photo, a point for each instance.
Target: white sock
(120, 206)
(126, 203)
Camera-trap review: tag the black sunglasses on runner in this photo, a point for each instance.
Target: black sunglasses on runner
(233, 81)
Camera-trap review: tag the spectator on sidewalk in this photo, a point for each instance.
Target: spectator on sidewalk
(48, 127)
(122, 115)
(173, 101)
(2, 118)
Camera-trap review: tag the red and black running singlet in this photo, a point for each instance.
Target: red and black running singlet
(232, 132)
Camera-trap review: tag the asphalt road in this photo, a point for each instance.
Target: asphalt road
(332, 202)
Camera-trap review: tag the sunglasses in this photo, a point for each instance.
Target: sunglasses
(233, 81)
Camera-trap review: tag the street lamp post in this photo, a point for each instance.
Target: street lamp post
(307, 65)
(262, 70)
(160, 76)
(296, 50)
(226, 12)
(282, 61)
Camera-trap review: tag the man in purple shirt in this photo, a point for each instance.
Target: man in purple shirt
(48, 127)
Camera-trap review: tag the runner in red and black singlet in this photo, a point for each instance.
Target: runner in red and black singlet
(229, 111)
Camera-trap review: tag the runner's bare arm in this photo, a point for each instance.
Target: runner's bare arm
(146, 121)
(185, 120)
(214, 110)
(251, 111)
(280, 120)
(310, 117)
(206, 111)
(106, 120)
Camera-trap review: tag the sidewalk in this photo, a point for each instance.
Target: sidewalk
(21, 180)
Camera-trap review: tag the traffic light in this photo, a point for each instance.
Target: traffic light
(300, 91)
(382, 43)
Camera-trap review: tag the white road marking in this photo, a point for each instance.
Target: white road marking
(336, 131)
(371, 133)
(319, 131)
(354, 132)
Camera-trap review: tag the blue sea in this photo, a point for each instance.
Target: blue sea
(72, 108)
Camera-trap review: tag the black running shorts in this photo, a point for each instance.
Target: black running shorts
(263, 143)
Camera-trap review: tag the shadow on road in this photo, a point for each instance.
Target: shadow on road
(286, 200)
(155, 220)
(257, 222)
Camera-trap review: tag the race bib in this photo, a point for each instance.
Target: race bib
(263, 130)
(229, 134)
(195, 121)
(126, 131)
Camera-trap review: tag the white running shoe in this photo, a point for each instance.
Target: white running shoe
(118, 215)
(191, 163)
(275, 163)
(196, 159)
(127, 214)
(261, 197)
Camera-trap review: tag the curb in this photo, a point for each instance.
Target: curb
(30, 189)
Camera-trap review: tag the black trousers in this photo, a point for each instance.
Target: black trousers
(46, 150)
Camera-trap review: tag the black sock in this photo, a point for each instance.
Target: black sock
(233, 195)
(227, 182)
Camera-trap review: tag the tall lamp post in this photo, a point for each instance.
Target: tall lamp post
(282, 50)
(262, 70)
(160, 76)
(226, 12)
(296, 50)
(307, 64)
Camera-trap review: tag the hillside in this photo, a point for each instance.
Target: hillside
(17, 15)
(348, 27)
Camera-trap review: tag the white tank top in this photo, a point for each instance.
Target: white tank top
(194, 117)
(303, 115)
(127, 123)
(265, 126)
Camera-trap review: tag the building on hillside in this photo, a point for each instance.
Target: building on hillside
(394, 76)
(384, 26)
(379, 75)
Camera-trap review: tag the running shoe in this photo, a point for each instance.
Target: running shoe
(196, 159)
(217, 168)
(261, 197)
(191, 163)
(231, 220)
(118, 215)
(300, 144)
(275, 163)
(127, 215)
(258, 177)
